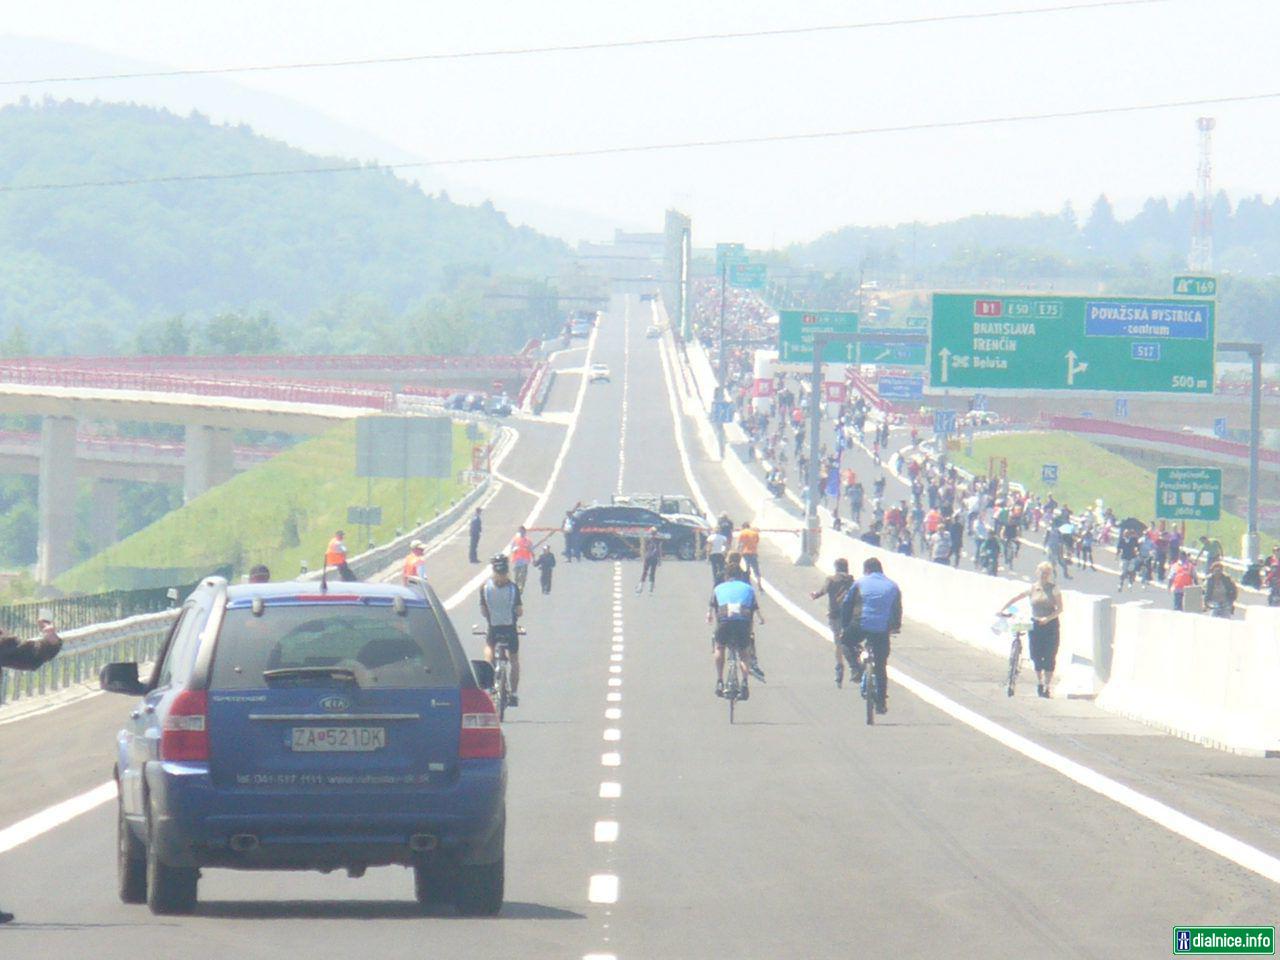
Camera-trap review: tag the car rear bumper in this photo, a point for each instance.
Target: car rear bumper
(197, 824)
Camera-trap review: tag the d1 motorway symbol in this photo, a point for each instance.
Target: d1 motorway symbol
(1049, 473)
(721, 411)
(1220, 427)
(944, 422)
(1122, 407)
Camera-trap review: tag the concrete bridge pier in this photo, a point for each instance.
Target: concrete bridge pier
(210, 460)
(56, 497)
(104, 525)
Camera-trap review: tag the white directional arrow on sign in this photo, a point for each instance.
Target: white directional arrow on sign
(945, 354)
(1073, 368)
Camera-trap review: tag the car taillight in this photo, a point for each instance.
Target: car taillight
(481, 735)
(185, 732)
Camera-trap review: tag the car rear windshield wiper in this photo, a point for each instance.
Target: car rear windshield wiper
(285, 676)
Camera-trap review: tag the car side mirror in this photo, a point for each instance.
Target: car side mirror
(122, 678)
(483, 670)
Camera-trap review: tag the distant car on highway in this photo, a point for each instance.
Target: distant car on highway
(599, 371)
(648, 296)
(285, 726)
(615, 530)
(653, 332)
(499, 406)
(456, 401)
(674, 506)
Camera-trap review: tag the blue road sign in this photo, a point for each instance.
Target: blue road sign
(1220, 428)
(944, 422)
(1049, 473)
(980, 402)
(900, 388)
(721, 411)
(1122, 407)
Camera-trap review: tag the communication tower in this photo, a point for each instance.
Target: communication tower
(1201, 258)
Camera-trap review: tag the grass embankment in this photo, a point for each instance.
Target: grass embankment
(1087, 472)
(279, 513)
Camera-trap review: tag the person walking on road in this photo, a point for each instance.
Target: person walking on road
(1127, 551)
(521, 551)
(473, 555)
(749, 547)
(1182, 576)
(1046, 609)
(335, 555)
(18, 654)
(546, 564)
(651, 553)
(834, 590)
(717, 547)
(870, 611)
(415, 566)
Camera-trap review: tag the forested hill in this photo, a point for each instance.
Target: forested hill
(83, 270)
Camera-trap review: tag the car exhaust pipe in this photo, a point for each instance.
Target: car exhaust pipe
(422, 842)
(244, 842)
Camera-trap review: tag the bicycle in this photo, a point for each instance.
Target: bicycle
(870, 682)
(501, 689)
(733, 680)
(1015, 654)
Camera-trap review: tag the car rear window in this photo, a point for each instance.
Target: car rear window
(384, 649)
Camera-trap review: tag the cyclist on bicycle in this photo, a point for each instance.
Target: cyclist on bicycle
(870, 611)
(733, 606)
(500, 604)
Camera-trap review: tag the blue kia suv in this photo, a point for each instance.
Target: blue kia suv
(295, 726)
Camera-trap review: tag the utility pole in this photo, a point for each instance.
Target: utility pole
(1201, 258)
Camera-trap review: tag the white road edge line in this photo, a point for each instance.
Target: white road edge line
(1175, 821)
(55, 816)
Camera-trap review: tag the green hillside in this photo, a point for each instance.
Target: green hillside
(281, 513)
(331, 256)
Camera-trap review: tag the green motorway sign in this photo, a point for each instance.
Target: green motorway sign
(1195, 286)
(797, 327)
(749, 276)
(892, 354)
(1029, 342)
(729, 253)
(1188, 493)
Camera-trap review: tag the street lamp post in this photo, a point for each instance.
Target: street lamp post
(1253, 350)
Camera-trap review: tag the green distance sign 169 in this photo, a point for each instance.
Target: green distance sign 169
(1031, 342)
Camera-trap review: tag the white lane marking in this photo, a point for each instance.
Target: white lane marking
(55, 816)
(613, 713)
(617, 648)
(615, 656)
(626, 390)
(606, 831)
(615, 681)
(614, 697)
(609, 790)
(518, 485)
(610, 759)
(615, 668)
(612, 734)
(1175, 821)
(603, 888)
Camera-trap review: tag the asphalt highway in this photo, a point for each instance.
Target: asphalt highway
(641, 824)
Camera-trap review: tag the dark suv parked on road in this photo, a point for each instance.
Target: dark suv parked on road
(616, 531)
(291, 727)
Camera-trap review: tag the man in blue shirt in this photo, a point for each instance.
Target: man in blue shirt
(733, 605)
(872, 609)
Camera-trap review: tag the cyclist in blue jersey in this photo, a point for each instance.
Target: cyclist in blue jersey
(870, 611)
(732, 608)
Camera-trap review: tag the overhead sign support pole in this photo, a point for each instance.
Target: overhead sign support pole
(1253, 350)
(811, 539)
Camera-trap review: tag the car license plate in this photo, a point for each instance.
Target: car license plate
(338, 739)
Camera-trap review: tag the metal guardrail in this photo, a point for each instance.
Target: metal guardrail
(85, 651)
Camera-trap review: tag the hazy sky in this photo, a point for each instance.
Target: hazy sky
(763, 194)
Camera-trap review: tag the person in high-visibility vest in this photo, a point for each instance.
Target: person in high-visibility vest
(336, 556)
(414, 564)
(521, 551)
